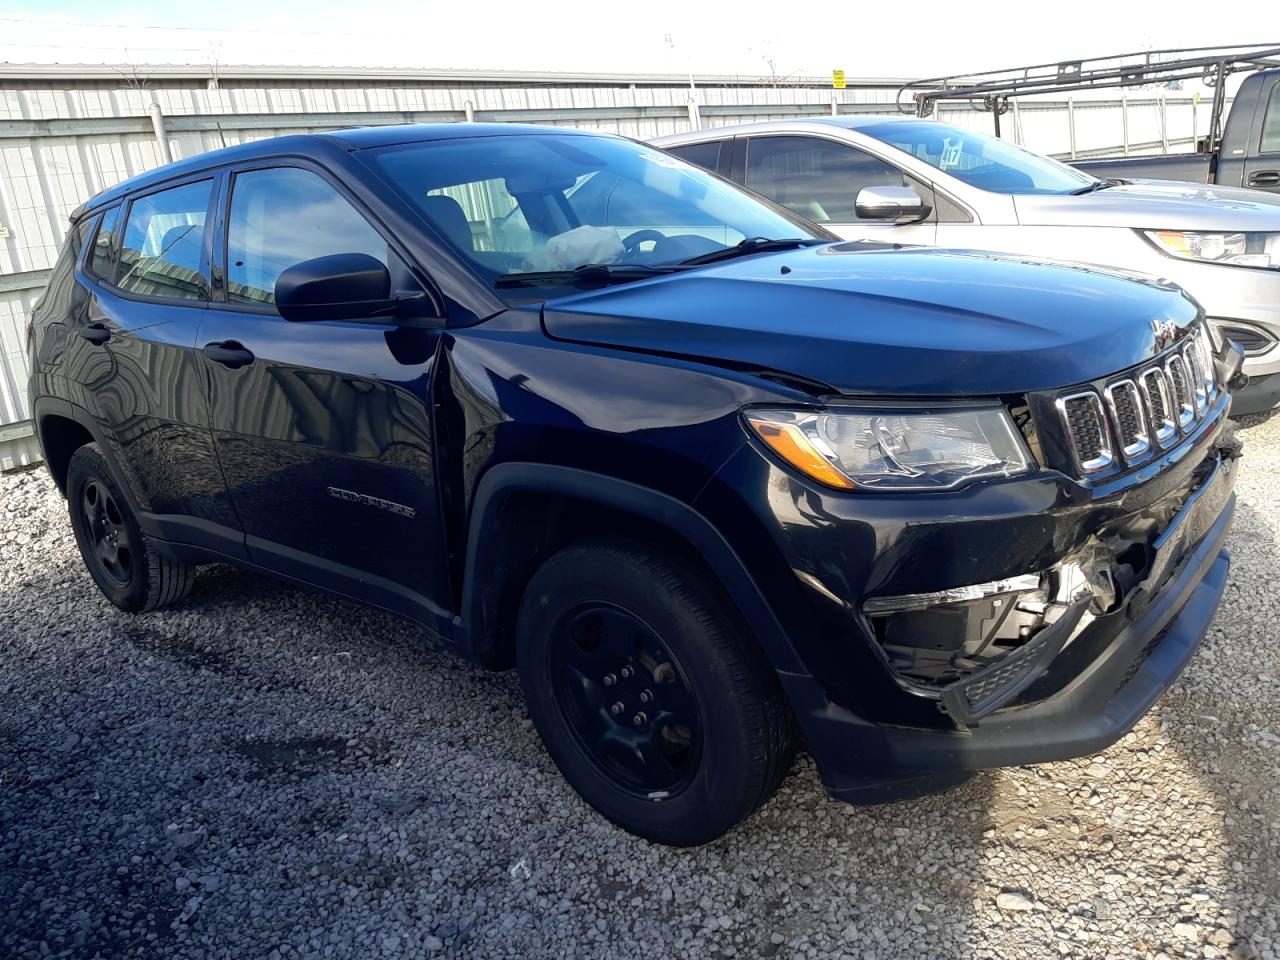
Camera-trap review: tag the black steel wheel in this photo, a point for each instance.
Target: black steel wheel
(651, 698)
(626, 698)
(107, 532)
(128, 568)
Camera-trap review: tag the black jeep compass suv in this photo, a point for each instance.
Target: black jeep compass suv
(712, 481)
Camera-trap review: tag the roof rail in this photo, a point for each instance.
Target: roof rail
(991, 89)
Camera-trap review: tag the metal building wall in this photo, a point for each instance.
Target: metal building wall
(66, 134)
(17, 446)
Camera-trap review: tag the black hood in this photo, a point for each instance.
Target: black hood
(916, 322)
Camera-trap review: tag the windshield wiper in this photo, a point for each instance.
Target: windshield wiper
(749, 246)
(1096, 186)
(602, 274)
(587, 275)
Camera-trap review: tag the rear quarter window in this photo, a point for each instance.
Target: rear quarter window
(101, 259)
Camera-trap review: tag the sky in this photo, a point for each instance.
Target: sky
(922, 39)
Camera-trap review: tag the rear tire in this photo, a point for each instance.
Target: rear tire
(123, 562)
(652, 703)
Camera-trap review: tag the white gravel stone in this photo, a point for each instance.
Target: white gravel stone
(1014, 902)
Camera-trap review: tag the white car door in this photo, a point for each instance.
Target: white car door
(819, 179)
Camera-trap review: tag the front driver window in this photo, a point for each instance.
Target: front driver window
(815, 178)
(282, 216)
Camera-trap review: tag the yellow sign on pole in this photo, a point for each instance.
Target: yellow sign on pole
(837, 79)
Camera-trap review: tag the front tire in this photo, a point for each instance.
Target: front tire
(124, 564)
(654, 706)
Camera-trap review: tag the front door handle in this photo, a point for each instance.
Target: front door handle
(1265, 178)
(229, 353)
(95, 333)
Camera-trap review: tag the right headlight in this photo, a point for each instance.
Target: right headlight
(1239, 249)
(895, 448)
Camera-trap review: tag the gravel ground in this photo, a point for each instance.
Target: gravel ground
(268, 773)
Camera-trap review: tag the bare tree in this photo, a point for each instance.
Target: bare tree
(133, 74)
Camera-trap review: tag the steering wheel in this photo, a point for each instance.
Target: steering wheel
(632, 244)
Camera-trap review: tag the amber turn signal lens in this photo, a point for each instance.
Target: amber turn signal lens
(790, 443)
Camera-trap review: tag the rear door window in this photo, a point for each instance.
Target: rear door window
(161, 255)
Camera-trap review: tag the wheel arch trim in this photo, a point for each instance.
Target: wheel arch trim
(48, 406)
(677, 517)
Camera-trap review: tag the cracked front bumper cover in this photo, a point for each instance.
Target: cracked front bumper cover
(1147, 644)
(1094, 581)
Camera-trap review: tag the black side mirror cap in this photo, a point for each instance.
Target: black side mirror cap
(343, 286)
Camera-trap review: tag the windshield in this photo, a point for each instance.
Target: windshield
(536, 203)
(979, 160)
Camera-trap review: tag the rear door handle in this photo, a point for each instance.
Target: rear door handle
(95, 333)
(229, 353)
(1264, 178)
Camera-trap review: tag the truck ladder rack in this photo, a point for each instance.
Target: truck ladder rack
(991, 89)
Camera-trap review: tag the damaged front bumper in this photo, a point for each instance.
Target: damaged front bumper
(1087, 648)
(978, 648)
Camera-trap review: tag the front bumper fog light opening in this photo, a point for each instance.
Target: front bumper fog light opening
(975, 647)
(985, 691)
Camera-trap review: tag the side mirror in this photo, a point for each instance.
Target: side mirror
(893, 204)
(344, 286)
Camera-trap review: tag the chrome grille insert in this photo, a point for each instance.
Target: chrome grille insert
(1175, 368)
(1152, 406)
(1204, 350)
(1155, 390)
(1196, 377)
(1125, 403)
(1087, 430)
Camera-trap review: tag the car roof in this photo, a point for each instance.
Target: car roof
(851, 121)
(311, 144)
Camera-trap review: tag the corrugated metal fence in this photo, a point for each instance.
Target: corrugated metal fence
(64, 136)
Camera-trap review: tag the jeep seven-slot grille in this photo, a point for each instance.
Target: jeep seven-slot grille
(1150, 406)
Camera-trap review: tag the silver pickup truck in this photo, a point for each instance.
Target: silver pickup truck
(914, 181)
